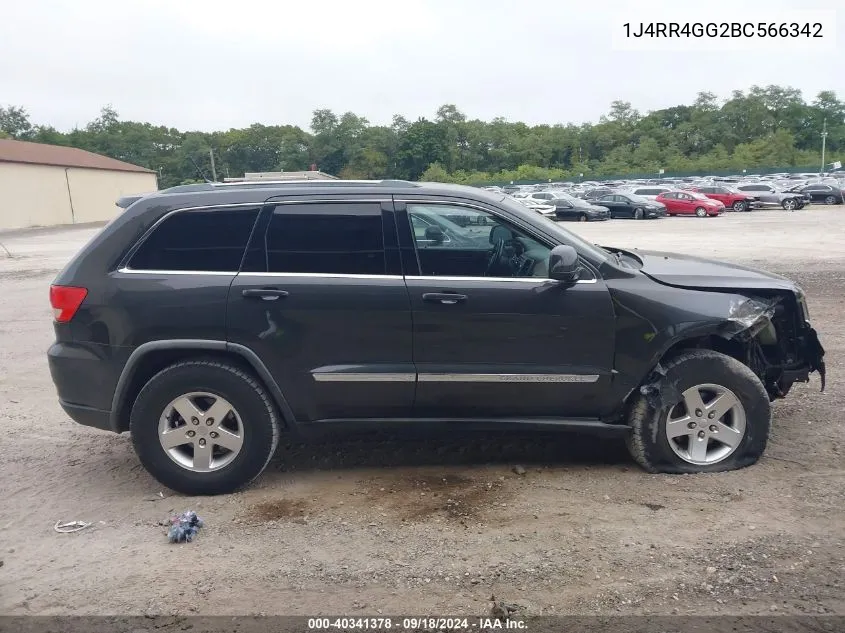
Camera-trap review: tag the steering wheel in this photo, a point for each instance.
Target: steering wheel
(495, 255)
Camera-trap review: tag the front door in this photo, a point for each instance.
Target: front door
(494, 337)
(321, 300)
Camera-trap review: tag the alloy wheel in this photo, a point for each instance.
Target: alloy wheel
(700, 212)
(200, 431)
(789, 204)
(707, 426)
(830, 200)
(739, 206)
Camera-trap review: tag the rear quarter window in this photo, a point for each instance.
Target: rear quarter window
(209, 240)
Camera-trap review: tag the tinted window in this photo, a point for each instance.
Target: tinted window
(326, 238)
(212, 240)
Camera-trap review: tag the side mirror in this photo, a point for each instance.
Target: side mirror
(563, 264)
(435, 234)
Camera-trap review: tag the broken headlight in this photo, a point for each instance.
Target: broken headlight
(801, 299)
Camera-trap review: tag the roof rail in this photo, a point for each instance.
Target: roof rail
(211, 186)
(318, 183)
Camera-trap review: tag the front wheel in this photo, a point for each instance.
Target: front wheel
(740, 206)
(204, 427)
(706, 412)
(582, 218)
(701, 212)
(638, 214)
(789, 204)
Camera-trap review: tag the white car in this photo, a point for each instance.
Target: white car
(539, 206)
(651, 192)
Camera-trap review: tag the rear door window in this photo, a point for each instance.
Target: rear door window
(331, 238)
(207, 240)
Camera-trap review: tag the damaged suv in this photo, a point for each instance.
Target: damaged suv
(206, 319)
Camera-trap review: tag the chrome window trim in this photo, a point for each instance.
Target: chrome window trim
(531, 280)
(318, 275)
(141, 271)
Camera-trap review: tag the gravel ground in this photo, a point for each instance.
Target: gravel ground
(557, 524)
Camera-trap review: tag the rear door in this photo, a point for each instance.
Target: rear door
(494, 337)
(321, 300)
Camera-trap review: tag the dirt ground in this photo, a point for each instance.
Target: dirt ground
(412, 525)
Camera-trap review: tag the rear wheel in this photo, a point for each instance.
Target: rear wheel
(701, 212)
(789, 204)
(739, 206)
(204, 427)
(706, 413)
(830, 200)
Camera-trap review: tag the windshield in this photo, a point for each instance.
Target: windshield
(554, 229)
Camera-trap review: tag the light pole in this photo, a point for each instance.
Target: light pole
(824, 138)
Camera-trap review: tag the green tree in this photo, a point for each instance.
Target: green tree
(14, 122)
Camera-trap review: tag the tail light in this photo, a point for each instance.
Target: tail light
(66, 301)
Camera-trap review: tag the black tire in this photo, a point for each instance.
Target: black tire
(638, 214)
(647, 441)
(701, 212)
(740, 206)
(830, 200)
(790, 204)
(242, 390)
(582, 218)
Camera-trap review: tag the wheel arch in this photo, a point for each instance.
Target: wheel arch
(712, 339)
(150, 358)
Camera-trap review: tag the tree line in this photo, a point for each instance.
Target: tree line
(768, 126)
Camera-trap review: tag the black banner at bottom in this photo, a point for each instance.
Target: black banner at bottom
(422, 624)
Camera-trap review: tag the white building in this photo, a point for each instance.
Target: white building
(45, 185)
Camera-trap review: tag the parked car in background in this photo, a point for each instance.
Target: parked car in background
(627, 205)
(730, 197)
(650, 192)
(596, 193)
(543, 207)
(690, 203)
(547, 195)
(825, 192)
(768, 196)
(572, 208)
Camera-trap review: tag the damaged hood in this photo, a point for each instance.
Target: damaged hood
(686, 271)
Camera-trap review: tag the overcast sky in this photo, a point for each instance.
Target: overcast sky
(210, 64)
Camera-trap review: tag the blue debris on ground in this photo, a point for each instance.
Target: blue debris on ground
(184, 527)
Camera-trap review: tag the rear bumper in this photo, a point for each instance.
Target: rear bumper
(87, 416)
(85, 376)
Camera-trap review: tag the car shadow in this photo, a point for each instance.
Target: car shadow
(404, 448)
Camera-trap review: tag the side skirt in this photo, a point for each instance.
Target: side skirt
(591, 426)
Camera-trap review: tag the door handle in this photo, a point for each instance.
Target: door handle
(446, 298)
(267, 294)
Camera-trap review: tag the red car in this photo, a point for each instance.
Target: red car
(690, 203)
(731, 198)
